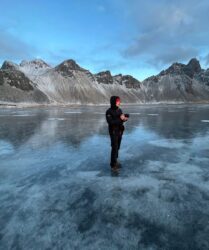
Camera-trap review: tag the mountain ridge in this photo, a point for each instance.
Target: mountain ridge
(69, 83)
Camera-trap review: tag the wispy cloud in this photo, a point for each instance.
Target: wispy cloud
(167, 31)
(175, 54)
(13, 48)
(101, 8)
(135, 36)
(206, 58)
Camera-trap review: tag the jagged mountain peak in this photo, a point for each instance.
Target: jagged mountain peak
(9, 65)
(69, 64)
(127, 80)
(37, 63)
(175, 68)
(104, 77)
(194, 65)
(118, 75)
(105, 72)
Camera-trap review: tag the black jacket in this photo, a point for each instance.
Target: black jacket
(113, 116)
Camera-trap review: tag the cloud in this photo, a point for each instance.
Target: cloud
(166, 31)
(175, 54)
(105, 64)
(206, 60)
(60, 55)
(101, 8)
(13, 48)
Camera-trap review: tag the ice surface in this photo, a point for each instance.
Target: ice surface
(57, 118)
(5, 147)
(23, 115)
(57, 190)
(73, 112)
(168, 143)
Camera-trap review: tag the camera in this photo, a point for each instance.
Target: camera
(126, 115)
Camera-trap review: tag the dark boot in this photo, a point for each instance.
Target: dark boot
(113, 165)
(118, 164)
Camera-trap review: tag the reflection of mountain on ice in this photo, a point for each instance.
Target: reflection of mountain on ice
(73, 125)
(48, 127)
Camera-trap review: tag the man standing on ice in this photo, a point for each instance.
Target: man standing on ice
(115, 119)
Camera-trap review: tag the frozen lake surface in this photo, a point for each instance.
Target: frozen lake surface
(57, 190)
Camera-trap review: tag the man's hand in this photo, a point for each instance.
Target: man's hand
(123, 118)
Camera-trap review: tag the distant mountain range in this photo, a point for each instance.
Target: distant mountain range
(36, 82)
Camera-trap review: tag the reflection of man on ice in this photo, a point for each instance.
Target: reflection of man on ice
(115, 119)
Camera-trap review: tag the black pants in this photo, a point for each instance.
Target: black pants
(116, 137)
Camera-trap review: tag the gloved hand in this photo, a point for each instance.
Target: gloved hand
(123, 118)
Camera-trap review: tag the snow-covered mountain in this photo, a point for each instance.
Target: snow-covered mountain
(16, 87)
(35, 67)
(68, 83)
(179, 82)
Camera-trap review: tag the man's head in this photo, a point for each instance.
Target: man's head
(115, 102)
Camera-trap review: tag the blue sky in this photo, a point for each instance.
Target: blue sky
(133, 37)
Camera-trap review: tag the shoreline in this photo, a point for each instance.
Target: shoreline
(32, 105)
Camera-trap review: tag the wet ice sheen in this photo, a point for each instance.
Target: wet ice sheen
(5, 148)
(57, 191)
